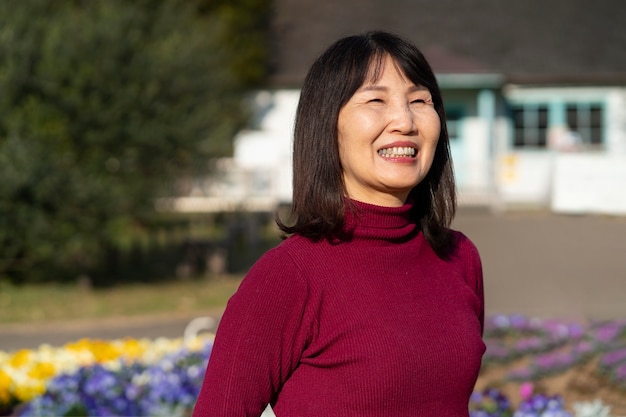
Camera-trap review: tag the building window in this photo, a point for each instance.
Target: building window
(530, 123)
(586, 121)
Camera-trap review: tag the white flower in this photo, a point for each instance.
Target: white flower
(592, 409)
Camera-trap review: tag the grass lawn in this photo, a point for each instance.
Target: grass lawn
(40, 303)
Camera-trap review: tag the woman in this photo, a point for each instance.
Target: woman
(372, 306)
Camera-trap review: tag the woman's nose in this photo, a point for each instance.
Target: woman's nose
(402, 119)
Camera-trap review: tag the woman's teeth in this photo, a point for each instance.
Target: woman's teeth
(397, 152)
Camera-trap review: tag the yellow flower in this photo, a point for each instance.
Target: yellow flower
(5, 387)
(104, 351)
(20, 358)
(132, 349)
(99, 350)
(42, 371)
(26, 392)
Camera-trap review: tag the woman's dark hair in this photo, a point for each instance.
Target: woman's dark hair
(319, 202)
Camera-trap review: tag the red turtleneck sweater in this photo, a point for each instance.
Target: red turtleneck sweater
(377, 326)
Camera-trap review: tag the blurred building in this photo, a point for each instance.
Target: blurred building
(535, 95)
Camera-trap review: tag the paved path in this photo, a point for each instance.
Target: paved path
(535, 263)
(14, 337)
(550, 265)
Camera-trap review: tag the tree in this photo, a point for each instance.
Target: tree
(102, 105)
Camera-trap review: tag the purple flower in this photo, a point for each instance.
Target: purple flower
(540, 405)
(489, 403)
(608, 332)
(583, 348)
(612, 358)
(518, 321)
(529, 344)
(554, 361)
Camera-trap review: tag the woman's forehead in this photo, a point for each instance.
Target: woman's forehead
(382, 63)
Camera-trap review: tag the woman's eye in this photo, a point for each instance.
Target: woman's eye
(376, 100)
(419, 101)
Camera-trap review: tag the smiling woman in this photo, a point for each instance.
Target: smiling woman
(372, 305)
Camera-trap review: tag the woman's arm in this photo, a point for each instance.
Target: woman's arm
(259, 340)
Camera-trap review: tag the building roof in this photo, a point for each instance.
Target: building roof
(527, 41)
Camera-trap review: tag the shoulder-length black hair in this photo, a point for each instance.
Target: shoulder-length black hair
(319, 202)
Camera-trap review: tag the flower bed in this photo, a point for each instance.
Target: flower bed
(162, 377)
(126, 377)
(582, 362)
(555, 346)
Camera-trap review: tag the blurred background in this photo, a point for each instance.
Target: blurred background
(145, 148)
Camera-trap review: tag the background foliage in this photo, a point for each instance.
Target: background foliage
(103, 105)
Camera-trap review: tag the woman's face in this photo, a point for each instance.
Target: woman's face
(388, 133)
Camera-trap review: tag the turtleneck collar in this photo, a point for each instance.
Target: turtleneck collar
(377, 222)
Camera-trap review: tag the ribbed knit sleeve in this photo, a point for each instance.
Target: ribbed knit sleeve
(264, 327)
(468, 254)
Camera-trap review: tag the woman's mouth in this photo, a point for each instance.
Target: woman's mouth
(398, 152)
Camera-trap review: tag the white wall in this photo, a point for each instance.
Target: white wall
(476, 158)
(616, 122)
(589, 183)
(267, 149)
(524, 178)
